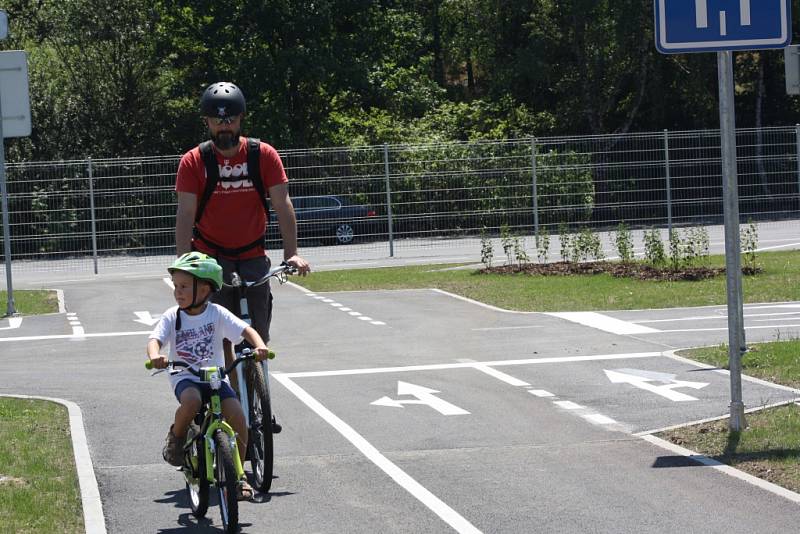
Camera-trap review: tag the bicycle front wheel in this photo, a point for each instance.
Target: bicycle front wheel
(225, 473)
(197, 484)
(260, 443)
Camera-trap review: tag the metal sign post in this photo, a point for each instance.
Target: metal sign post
(723, 26)
(10, 309)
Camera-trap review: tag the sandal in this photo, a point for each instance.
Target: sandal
(244, 491)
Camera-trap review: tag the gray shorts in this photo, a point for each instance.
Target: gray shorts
(259, 299)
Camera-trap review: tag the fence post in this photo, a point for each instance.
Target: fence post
(91, 211)
(668, 178)
(534, 192)
(388, 199)
(797, 140)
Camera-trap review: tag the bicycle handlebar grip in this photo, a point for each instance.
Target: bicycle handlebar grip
(148, 365)
(271, 354)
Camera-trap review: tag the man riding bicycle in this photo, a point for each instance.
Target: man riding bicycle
(222, 187)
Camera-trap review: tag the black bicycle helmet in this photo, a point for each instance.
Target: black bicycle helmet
(222, 99)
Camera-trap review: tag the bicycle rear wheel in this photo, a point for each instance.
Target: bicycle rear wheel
(260, 443)
(197, 485)
(225, 473)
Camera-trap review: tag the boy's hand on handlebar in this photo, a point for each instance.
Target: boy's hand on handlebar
(159, 362)
(302, 266)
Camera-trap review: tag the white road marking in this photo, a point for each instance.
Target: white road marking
(445, 512)
(604, 322)
(476, 303)
(540, 393)
(93, 518)
(568, 405)
(345, 309)
(378, 323)
(506, 328)
(73, 336)
(713, 317)
(13, 322)
(599, 419)
(498, 363)
(724, 329)
(422, 395)
(642, 379)
(146, 318)
(365, 318)
(508, 379)
(167, 280)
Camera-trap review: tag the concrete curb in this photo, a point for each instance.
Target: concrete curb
(93, 517)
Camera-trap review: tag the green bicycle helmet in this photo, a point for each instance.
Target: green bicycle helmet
(200, 266)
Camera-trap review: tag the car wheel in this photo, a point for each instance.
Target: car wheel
(345, 234)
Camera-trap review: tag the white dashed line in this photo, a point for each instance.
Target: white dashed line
(540, 393)
(599, 419)
(339, 306)
(568, 405)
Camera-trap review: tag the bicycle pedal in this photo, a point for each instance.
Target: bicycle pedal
(276, 427)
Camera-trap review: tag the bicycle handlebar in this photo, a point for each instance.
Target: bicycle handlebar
(279, 273)
(247, 354)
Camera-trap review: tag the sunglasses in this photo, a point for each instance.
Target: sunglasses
(218, 121)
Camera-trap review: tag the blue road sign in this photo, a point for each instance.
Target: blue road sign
(716, 25)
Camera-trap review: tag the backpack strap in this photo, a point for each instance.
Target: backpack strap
(254, 170)
(212, 177)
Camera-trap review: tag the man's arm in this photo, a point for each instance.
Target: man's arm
(282, 204)
(184, 221)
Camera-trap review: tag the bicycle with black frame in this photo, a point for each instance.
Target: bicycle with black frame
(255, 397)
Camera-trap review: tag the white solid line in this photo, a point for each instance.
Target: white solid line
(450, 516)
(540, 393)
(599, 419)
(508, 379)
(500, 363)
(481, 304)
(726, 328)
(712, 317)
(167, 280)
(728, 470)
(604, 322)
(567, 405)
(73, 336)
(93, 518)
(506, 328)
(778, 246)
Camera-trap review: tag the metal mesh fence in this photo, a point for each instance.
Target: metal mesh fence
(75, 213)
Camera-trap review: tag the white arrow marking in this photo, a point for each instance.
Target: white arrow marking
(423, 396)
(13, 322)
(144, 317)
(642, 379)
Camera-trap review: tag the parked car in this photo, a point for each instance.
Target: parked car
(330, 219)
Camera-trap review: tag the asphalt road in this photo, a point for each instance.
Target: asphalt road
(416, 411)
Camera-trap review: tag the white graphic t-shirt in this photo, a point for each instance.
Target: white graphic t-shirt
(200, 337)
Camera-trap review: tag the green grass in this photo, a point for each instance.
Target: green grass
(30, 302)
(39, 489)
(769, 447)
(780, 281)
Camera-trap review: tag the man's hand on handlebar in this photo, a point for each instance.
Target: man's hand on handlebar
(302, 266)
(159, 362)
(261, 353)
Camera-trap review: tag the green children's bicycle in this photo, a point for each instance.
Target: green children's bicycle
(211, 455)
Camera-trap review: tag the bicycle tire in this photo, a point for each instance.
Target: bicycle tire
(225, 474)
(260, 442)
(198, 493)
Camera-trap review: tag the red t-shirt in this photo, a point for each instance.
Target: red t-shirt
(234, 215)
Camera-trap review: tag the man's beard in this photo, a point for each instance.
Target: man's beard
(225, 140)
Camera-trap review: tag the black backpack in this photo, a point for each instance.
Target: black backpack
(213, 178)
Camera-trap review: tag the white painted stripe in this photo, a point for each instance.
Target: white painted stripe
(326, 300)
(378, 323)
(299, 288)
(599, 419)
(75, 322)
(445, 512)
(71, 314)
(77, 331)
(604, 322)
(701, 14)
(475, 302)
(336, 305)
(713, 317)
(345, 309)
(354, 313)
(365, 318)
(725, 329)
(320, 297)
(73, 336)
(567, 405)
(62, 307)
(728, 470)
(167, 280)
(540, 393)
(778, 246)
(500, 363)
(506, 328)
(508, 379)
(744, 9)
(93, 518)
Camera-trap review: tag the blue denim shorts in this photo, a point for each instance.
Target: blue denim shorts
(225, 392)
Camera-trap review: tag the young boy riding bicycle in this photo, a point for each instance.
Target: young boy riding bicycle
(194, 330)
